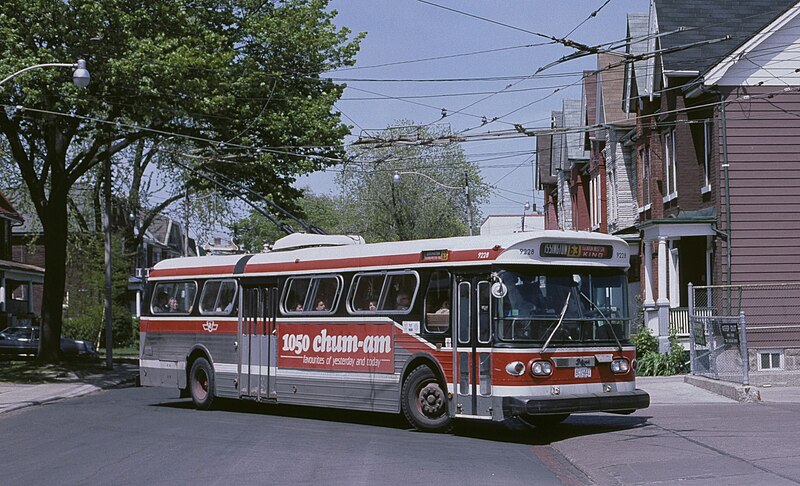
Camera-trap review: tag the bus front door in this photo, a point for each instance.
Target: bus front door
(258, 343)
(472, 341)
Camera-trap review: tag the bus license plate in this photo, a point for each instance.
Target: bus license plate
(583, 372)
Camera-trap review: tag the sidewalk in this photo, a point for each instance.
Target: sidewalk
(14, 396)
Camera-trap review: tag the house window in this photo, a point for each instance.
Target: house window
(770, 360)
(670, 163)
(613, 205)
(644, 156)
(708, 144)
(594, 197)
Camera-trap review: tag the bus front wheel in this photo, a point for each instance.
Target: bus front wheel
(424, 401)
(201, 384)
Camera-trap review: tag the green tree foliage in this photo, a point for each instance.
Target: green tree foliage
(243, 74)
(326, 212)
(417, 207)
(653, 363)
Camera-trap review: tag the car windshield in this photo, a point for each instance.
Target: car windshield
(593, 303)
(17, 332)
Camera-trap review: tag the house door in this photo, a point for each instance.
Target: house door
(259, 342)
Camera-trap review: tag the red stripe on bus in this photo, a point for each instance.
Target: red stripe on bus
(190, 271)
(476, 255)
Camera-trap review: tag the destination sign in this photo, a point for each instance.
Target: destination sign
(435, 255)
(575, 250)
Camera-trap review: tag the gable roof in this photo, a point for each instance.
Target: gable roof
(758, 46)
(707, 20)
(636, 73)
(7, 211)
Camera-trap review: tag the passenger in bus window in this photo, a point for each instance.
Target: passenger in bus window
(373, 306)
(173, 305)
(403, 300)
(444, 308)
(162, 303)
(298, 307)
(321, 306)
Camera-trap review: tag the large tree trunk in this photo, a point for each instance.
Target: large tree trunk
(55, 226)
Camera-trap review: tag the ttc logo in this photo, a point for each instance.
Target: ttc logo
(210, 326)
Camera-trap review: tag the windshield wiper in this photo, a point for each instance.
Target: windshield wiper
(560, 319)
(607, 322)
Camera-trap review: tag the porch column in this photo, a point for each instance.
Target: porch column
(663, 302)
(649, 305)
(30, 297)
(2, 292)
(647, 250)
(674, 277)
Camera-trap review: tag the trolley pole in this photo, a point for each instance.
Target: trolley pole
(469, 201)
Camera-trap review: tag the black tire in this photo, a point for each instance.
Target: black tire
(424, 401)
(544, 421)
(201, 384)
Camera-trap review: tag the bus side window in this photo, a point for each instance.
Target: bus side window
(366, 292)
(437, 302)
(294, 299)
(218, 297)
(173, 297)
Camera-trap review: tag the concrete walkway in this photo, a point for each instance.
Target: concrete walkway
(14, 396)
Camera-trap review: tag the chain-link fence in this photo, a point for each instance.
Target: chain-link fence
(729, 324)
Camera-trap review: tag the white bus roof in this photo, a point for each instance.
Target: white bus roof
(533, 247)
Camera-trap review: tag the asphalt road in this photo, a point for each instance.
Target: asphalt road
(149, 436)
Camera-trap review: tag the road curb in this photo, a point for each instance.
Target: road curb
(740, 393)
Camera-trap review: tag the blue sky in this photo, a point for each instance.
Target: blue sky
(417, 30)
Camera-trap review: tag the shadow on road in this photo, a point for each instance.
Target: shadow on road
(511, 430)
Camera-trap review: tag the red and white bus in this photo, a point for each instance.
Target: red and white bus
(539, 327)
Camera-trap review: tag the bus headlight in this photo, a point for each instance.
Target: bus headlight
(515, 368)
(620, 365)
(541, 368)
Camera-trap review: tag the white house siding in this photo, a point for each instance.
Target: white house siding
(621, 181)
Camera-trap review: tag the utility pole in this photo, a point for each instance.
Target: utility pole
(186, 225)
(107, 232)
(469, 201)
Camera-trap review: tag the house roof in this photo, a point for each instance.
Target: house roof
(7, 211)
(610, 81)
(635, 74)
(707, 20)
(590, 102)
(573, 117)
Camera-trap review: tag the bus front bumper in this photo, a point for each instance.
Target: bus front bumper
(627, 401)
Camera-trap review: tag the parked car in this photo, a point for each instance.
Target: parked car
(24, 341)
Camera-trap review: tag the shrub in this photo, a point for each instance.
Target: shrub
(653, 363)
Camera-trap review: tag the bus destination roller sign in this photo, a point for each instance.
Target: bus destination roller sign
(575, 250)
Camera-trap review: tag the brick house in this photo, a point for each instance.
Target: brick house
(717, 155)
(20, 282)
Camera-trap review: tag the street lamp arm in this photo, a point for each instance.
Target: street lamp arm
(80, 77)
(398, 174)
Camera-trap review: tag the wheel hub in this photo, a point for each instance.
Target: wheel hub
(431, 399)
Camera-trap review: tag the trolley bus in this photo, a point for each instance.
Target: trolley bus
(532, 325)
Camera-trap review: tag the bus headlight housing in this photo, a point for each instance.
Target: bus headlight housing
(620, 366)
(515, 368)
(541, 368)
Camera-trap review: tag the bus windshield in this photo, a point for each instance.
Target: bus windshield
(593, 303)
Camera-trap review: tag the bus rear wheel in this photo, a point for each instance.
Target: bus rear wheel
(424, 401)
(544, 421)
(201, 384)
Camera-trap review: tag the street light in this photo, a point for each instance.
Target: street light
(396, 180)
(526, 207)
(80, 76)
